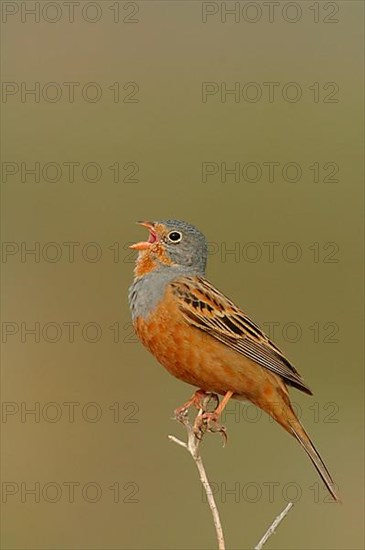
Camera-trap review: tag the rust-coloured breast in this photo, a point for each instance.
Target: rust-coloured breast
(196, 357)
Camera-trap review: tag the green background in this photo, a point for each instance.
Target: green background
(169, 133)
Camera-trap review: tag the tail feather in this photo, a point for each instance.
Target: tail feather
(301, 435)
(285, 415)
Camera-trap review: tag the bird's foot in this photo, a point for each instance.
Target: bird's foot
(201, 400)
(209, 422)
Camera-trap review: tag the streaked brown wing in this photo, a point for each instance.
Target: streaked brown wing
(208, 309)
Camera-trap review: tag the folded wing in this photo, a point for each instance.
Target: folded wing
(206, 308)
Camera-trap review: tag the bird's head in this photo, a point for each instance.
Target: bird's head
(171, 243)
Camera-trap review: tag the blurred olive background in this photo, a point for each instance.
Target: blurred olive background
(132, 487)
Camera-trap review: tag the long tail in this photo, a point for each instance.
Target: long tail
(283, 413)
(291, 423)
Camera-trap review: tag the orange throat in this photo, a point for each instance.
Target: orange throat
(149, 259)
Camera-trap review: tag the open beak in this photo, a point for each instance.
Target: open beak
(152, 238)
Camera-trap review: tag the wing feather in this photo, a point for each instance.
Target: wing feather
(205, 307)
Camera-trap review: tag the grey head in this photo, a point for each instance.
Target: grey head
(174, 243)
(177, 248)
(185, 245)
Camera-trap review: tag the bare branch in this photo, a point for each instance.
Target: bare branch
(178, 441)
(192, 446)
(273, 526)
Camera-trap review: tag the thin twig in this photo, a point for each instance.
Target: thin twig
(273, 526)
(176, 440)
(192, 446)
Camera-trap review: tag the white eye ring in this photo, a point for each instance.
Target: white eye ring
(177, 236)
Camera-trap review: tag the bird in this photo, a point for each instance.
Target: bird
(202, 338)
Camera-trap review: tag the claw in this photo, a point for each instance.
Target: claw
(208, 422)
(207, 419)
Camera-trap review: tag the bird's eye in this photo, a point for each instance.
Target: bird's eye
(175, 236)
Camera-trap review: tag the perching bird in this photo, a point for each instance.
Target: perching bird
(203, 338)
